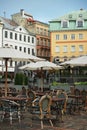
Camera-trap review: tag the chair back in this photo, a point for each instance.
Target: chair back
(62, 94)
(31, 94)
(44, 111)
(45, 104)
(63, 104)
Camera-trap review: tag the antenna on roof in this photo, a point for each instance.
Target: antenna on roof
(4, 14)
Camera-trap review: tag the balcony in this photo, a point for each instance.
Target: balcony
(40, 46)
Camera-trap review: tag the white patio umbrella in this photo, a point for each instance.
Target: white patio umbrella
(79, 61)
(8, 53)
(41, 65)
(44, 65)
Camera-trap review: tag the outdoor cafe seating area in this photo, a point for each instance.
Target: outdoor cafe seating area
(51, 105)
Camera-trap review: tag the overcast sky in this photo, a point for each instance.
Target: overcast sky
(43, 10)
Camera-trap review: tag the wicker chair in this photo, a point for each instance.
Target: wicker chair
(63, 104)
(44, 111)
(30, 94)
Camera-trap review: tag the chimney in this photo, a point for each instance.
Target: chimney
(81, 9)
(22, 12)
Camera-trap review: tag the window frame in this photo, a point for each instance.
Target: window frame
(6, 34)
(57, 37)
(57, 49)
(81, 48)
(80, 23)
(65, 48)
(65, 37)
(64, 23)
(73, 48)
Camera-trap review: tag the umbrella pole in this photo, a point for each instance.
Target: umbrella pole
(42, 82)
(6, 78)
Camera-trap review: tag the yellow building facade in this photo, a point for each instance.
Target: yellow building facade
(69, 36)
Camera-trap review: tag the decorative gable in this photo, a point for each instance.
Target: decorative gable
(21, 29)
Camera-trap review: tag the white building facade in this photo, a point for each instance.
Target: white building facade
(12, 35)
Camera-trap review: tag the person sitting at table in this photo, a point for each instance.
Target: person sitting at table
(22, 92)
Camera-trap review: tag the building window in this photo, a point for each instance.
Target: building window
(57, 37)
(20, 48)
(32, 39)
(80, 15)
(80, 36)
(16, 47)
(65, 37)
(72, 48)
(37, 30)
(6, 34)
(28, 38)
(28, 50)
(45, 32)
(33, 53)
(15, 36)
(65, 49)
(24, 38)
(41, 31)
(57, 49)
(79, 23)
(20, 29)
(20, 37)
(11, 35)
(80, 48)
(65, 24)
(24, 49)
(73, 36)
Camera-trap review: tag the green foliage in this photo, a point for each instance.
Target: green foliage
(54, 83)
(80, 83)
(21, 79)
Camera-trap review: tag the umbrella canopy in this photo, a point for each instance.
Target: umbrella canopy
(79, 61)
(41, 65)
(8, 53)
(15, 55)
(44, 65)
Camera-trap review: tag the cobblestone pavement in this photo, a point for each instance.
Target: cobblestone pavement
(71, 122)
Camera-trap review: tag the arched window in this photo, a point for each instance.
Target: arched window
(64, 24)
(79, 23)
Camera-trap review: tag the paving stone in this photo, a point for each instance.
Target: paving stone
(71, 122)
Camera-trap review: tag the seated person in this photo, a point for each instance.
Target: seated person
(22, 93)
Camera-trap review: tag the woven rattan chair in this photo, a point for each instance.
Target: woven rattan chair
(30, 94)
(63, 104)
(44, 111)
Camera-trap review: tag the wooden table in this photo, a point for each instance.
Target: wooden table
(40, 94)
(19, 100)
(9, 93)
